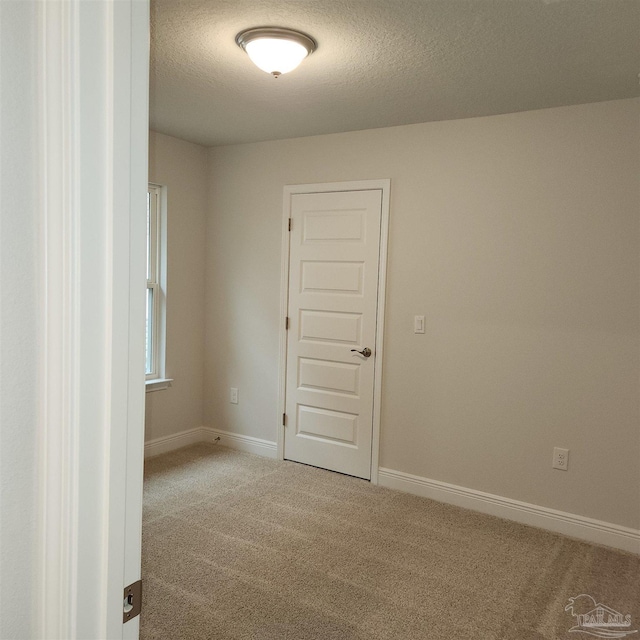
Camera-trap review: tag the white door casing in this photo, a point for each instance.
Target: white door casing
(334, 287)
(93, 149)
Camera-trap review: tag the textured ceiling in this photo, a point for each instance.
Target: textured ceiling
(381, 63)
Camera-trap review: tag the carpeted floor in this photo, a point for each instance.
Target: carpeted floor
(236, 546)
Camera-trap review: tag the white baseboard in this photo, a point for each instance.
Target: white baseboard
(174, 441)
(265, 448)
(569, 524)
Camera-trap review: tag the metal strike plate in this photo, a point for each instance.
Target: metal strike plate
(132, 603)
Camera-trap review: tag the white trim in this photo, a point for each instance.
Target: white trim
(284, 303)
(158, 282)
(569, 524)
(575, 526)
(265, 448)
(59, 136)
(157, 384)
(93, 152)
(174, 441)
(383, 185)
(136, 18)
(382, 292)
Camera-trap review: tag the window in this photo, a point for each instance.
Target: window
(156, 272)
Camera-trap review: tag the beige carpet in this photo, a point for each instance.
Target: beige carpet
(237, 546)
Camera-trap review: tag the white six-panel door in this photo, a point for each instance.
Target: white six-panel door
(332, 310)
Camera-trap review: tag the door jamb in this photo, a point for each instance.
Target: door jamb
(383, 185)
(93, 174)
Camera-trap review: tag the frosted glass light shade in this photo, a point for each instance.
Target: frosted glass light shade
(276, 50)
(276, 56)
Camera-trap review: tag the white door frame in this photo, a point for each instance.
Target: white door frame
(93, 137)
(359, 185)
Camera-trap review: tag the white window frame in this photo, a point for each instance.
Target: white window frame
(156, 379)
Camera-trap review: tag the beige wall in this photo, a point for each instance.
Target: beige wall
(517, 237)
(181, 167)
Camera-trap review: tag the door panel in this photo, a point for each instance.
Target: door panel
(330, 326)
(323, 424)
(333, 287)
(332, 377)
(332, 277)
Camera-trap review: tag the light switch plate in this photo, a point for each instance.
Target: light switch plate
(418, 324)
(233, 396)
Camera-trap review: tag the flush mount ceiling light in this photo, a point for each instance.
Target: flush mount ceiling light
(276, 50)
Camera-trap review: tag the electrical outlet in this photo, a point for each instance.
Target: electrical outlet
(560, 459)
(233, 396)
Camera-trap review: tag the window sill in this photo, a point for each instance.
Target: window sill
(159, 384)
